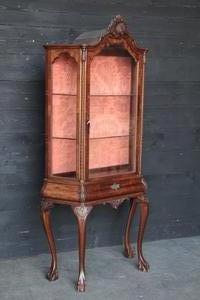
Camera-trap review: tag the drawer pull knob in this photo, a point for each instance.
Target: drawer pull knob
(115, 186)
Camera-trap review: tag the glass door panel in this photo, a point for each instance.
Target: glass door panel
(64, 98)
(112, 113)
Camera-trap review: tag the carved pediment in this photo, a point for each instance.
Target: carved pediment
(117, 26)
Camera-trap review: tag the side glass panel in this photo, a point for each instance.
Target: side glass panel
(64, 96)
(112, 112)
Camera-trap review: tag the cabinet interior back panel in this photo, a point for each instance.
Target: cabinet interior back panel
(64, 116)
(109, 152)
(110, 75)
(109, 116)
(64, 75)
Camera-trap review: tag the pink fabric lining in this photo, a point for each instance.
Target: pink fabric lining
(64, 73)
(64, 116)
(109, 152)
(110, 75)
(64, 155)
(64, 76)
(109, 115)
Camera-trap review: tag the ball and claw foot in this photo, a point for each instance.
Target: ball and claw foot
(143, 265)
(81, 286)
(52, 275)
(81, 282)
(129, 252)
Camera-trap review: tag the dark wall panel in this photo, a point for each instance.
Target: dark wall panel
(171, 153)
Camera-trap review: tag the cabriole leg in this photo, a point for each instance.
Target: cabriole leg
(46, 219)
(128, 250)
(144, 212)
(81, 213)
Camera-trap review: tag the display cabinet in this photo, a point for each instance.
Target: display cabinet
(94, 117)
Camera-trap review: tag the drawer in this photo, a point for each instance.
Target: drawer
(113, 187)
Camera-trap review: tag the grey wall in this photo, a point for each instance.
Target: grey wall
(171, 156)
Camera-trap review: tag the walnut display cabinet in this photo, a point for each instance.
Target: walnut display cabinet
(94, 117)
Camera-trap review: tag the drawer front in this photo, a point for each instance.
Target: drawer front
(112, 188)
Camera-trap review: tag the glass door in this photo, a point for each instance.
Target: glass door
(63, 116)
(112, 113)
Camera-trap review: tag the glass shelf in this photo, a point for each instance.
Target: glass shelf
(63, 138)
(63, 94)
(99, 95)
(113, 95)
(109, 137)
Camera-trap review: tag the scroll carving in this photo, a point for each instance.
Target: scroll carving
(111, 39)
(116, 203)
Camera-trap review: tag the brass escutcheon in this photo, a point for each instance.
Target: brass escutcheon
(115, 186)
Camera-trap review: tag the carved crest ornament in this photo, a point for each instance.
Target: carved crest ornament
(117, 26)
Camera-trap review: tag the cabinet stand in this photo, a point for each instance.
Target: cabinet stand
(82, 212)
